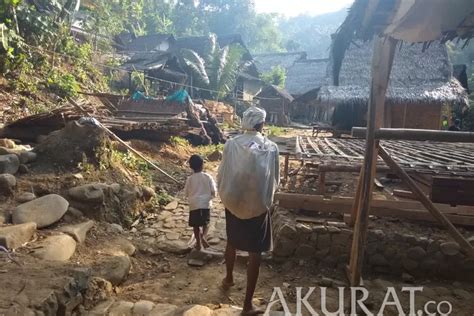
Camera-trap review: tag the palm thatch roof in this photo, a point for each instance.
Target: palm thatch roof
(406, 20)
(275, 91)
(149, 43)
(417, 77)
(306, 75)
(302, 74)
(265, 62)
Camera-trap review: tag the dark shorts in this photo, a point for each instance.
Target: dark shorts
(200, 217)
(252, 235)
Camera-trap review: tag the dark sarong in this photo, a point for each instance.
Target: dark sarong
(199, 218)
(252, 235)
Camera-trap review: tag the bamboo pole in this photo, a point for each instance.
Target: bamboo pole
(457, 236)
(384, 51)
(417, 135)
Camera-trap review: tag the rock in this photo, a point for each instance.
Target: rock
(13, 237)
(9, 164)
(79, 231)
(120, 247)
(215, 156)
(171, 206)
(114, 269)
(407, 278)
(7, 143)
(462, 294)
(304, 228)
(163, 310)
(174, 246)
(450, 248)
(416, 253)
(55, 248)
(410, 264)
(88, 193)
(5, 217)
(115, 187)
(148, 193)
(142, 308)
(378, 260)
(324, 241)
(44, 211)
(149, 232)
(23, 169)
(165, 215)
(121, 308)
(196, 310)
(172, 236)
(102, 308)
(97, 290)
(7, 184)
(27, 157)
(287, 231)
(284, 247)
(127, 196)
(382, 284)
(115, 228)
(214, 241)
(74, 212)
(304, 251)
(25, 197)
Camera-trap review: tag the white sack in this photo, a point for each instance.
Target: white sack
(247, 179)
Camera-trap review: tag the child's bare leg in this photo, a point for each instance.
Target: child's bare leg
(197, 235)
(205, 230)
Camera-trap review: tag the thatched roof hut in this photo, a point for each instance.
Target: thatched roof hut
(276, 101)
(422, 88)
(265, 62)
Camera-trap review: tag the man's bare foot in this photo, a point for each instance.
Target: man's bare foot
(227, 284)
(197, 247)
(251, 310)
(205, 244)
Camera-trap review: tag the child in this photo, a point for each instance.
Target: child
(200, 188)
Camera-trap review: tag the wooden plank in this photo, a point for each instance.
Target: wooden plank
(322, 183)
(343, 206)
(347, 168)
(286, 167)
(442, 218)
(453, 191)
(384, 51)
(417, 134)
(404, 194)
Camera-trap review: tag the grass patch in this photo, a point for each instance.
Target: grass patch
(275, 130)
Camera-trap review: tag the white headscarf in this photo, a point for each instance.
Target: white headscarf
(253, 116)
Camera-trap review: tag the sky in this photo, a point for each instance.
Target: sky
(296, 7)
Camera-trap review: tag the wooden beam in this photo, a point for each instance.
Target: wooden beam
(322, 183)
(404, 194)
(384, 51)
(457, 236)
(347, 168)
(416, 134)
(286, 167)
(408, 210)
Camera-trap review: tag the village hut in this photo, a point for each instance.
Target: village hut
(422, 89)
(276, 102)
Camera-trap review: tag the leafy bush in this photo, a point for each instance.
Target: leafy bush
(177, 141)
(275, 130)
(277, 76)
(64, 85)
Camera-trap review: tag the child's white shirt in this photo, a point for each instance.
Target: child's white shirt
(200, 188)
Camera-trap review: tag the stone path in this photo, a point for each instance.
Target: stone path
(168, 230)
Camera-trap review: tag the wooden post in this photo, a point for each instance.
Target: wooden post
(384, 51)
(286, 167)
(457, 236)
(322, 183)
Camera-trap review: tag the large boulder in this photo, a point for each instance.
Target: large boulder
(9, 163)
(163, 310)
(55, 248)
(113, 269)
(7, 143)
(44, 211)
(119, 246)
(27, 157)
(89, 193)
(12, 237)
(79, 231)
(7, 184)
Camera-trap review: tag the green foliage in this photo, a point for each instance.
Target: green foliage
(206, 150)
(132, 163)
(277, 76)
(275, 130)
(218, 69)
(63, 85)
(177, 141)
(163, 198)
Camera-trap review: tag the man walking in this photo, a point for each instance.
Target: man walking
(247, 180)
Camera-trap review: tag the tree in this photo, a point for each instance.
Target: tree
(217, 70)
(277, 76)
